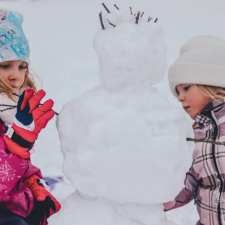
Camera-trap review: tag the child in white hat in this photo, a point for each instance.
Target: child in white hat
(197, 79)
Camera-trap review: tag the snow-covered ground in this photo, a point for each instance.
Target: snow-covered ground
(61, 37)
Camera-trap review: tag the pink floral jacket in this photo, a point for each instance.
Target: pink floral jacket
(14, 196)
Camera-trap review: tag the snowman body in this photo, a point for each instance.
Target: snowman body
(121, 143)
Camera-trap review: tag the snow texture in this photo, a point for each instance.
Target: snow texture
(60, 35)
(115, 144)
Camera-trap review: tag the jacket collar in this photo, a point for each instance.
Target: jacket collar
(213, 106)
(204, 118)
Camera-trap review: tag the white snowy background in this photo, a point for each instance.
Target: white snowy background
(61, 37)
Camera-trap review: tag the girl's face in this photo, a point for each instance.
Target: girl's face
(192, 99)
(13, 74)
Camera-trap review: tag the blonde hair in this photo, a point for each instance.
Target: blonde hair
(28, 82)
(215, 93)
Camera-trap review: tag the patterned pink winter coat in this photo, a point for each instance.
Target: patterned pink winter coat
(205, 181)
(13, 171)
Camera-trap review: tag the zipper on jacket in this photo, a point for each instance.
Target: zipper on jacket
(214, 136)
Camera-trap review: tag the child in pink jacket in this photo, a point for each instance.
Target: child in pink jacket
(197, 79)
(24, 200)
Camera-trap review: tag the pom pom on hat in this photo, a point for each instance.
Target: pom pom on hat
(13, 43)
(201, 61)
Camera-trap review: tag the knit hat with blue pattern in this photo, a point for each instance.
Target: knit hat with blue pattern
(13, 43)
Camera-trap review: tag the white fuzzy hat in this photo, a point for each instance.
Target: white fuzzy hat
(201, 61)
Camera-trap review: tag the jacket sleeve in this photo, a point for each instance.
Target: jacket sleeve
(190, 189)
(32, 170)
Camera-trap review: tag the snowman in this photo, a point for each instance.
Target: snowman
(120, 140)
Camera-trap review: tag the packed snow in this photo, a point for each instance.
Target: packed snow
(115, 136)
(61, 35)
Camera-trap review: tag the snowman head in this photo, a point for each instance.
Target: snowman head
(130, 49)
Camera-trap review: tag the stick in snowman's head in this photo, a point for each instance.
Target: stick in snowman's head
(130, 48)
